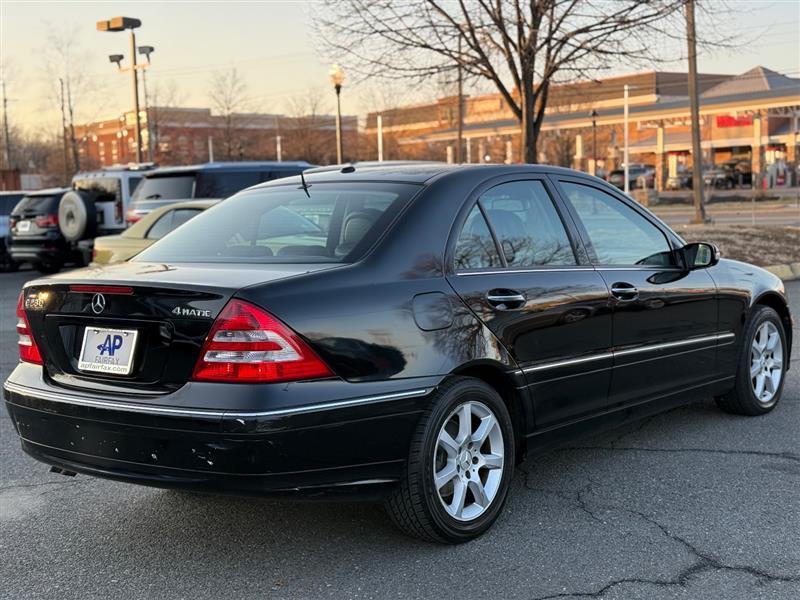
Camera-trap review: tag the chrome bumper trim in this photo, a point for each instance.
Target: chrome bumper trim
(217, 414)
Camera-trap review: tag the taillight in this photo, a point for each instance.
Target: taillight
(47, 221)
(131, 217)
(12, 221)
(28, 351)
(247, 344)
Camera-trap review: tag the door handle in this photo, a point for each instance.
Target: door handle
(505, 299)
(624, 291)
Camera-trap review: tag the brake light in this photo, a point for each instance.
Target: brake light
(12, 221)
(28, 350)
(47, 221)
(131, 217)
(109, 290)
(247, 344)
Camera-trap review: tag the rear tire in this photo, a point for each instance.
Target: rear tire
(761, 367)
(460, 465)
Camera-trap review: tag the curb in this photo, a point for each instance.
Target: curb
(786, 272)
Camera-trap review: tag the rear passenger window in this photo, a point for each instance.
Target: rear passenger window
(617, 233)
(527, 226)
(475, 248)
(161, 227)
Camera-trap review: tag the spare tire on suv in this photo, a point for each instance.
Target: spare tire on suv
(77, 216)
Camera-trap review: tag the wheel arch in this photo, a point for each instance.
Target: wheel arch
(776, 302)
(502, 381)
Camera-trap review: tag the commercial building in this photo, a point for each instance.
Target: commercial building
(180, 136)
(749, 120)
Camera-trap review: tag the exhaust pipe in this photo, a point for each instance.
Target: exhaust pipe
(61, 471)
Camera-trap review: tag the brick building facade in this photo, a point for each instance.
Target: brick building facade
(753, 118)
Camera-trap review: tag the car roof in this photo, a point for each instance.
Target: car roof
(419, 173)
(202, 204)
(227, 166)
(131, 170)
(47, 192)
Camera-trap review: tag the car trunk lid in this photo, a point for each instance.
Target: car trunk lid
(164, 312)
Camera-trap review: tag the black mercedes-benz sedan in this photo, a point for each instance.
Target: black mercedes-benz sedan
(403, 332)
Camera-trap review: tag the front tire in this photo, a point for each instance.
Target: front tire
(761, 368)
(460, 465)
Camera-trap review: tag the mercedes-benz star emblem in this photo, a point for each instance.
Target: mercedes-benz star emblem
(98, 303)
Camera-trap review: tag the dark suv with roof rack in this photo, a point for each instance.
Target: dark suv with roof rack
(215, 180)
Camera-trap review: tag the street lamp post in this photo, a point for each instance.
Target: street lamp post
(121, 24)
(593, 114)
(146, 51)
(337, 78)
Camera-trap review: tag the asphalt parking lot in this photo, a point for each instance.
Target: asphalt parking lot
(692, 503)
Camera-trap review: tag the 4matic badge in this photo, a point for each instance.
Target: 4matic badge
(182, 311)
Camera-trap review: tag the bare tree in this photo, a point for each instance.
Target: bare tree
(162, 98)
(521, 47)
(307, 131)
(66, 61)
(229, 97)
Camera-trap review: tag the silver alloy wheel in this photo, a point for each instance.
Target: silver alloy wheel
(468, 461)
(766, 362)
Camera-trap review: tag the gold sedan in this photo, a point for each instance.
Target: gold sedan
(153, 226)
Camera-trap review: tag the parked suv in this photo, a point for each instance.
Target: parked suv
(8, 200)
(35, 234)
(211, 180)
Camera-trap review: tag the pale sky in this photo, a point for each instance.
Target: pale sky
(270, 43)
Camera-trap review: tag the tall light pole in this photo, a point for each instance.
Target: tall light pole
(694, 100)
(460, 110)
(337, 79)
(146, 51)
(627, 184)
(121, 24)
(593, 114)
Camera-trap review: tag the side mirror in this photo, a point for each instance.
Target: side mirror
(699, 255)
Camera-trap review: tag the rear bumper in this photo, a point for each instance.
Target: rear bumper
(39, 249)
(355, 446)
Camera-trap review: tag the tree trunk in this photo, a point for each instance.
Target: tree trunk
(527, 121)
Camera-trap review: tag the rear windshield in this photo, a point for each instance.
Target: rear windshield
(337, 223)
(103, 189)
(221, 184)
(37, 204)
(178, 187)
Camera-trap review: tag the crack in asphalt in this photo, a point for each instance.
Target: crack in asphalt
(778, 455)
(703, 561)
(43, 484)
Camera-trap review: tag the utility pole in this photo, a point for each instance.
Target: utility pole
(460, 110)
(697, 153)
(6, 135)
(64, 132)
(627, 185)
(150, 140)
(380, 138)
(135, 82)
(72, 141)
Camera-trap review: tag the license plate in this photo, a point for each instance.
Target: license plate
(108, 350)
(23, 226)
